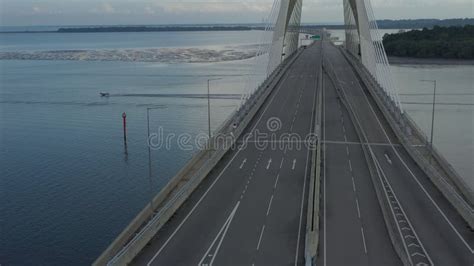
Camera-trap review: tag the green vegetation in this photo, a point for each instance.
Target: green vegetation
(439, 42)
(423, 23)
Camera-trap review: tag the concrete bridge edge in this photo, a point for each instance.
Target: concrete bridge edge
(383, 202)
(126, 245)
(464, 208)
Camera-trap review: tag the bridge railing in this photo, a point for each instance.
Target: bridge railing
(157, 213)
(314, 194)
(390, 221)
(440, 172)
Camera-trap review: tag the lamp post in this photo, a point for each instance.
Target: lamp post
(432, 114)
(209, 105)
(149, 154)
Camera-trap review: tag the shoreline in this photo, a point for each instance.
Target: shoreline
(393, 60)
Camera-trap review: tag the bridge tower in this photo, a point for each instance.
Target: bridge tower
(363, 40)
(285, 32)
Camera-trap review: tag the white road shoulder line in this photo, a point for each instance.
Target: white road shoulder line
(417, 181)
(277, 90)
(221, 235)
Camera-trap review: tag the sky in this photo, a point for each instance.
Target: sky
(139, 12)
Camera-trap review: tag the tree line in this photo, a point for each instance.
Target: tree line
(438, 42)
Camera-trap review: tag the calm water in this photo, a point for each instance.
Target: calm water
(68, 186)
(454, 112)
(454, 115)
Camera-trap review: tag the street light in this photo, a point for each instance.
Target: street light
(432, 114)
(149, 154)
(209, 105)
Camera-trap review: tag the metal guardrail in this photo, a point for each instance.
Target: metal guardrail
(314, 194)
(130, 242)
(444, 177)
(381, 193)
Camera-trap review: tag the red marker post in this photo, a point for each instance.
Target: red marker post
(124, 116)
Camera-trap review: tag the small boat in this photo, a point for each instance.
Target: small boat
(104, 94)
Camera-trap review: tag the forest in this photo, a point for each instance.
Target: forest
(438, 42)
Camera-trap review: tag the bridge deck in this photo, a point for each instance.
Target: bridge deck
(353, 225)
(251, 209)
(434, 223)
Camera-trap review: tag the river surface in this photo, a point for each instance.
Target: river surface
(68, 185)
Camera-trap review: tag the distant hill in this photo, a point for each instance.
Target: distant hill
(439, 42)
(153, 29)
(404, 24)
(423, 23)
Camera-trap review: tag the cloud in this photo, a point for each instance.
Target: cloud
(215, 7)
(104, 8)
(49, 12)
(37, 10)
(108, 8)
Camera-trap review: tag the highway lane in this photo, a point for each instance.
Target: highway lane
(353, 230)
(251, 209)
(436, 233)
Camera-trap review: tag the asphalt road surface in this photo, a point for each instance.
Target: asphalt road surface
(433, 232)
(353, 230)
(252, 208)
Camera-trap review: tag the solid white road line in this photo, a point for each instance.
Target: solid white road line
(218, 177)
(281, 163)
(294, 164)
(324, 175)
(359, 143)
(221, 235)
(379, 168)
(192, 210)
(417, 181)
(304, 182)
